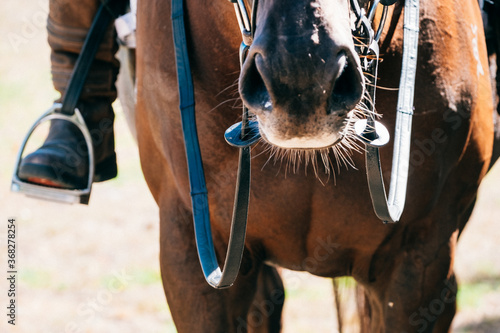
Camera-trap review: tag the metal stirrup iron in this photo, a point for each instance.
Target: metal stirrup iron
(67, 111)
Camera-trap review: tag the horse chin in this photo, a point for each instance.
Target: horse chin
(307, 137)
(326, 152)
(320, 142)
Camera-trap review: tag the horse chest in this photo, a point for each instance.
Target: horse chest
(300, 224)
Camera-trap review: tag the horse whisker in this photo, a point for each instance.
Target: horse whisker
(224, 102)
(235, 83)
(335, 157)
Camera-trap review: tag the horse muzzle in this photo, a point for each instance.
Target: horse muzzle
(301, 102)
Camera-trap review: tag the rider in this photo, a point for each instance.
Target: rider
(62, 161)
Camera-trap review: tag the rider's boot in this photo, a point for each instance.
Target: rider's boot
(62, 161)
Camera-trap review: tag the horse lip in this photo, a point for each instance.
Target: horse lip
(339, 137)
(305, 148)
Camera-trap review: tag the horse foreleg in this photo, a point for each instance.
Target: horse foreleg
(422, 296)
(194, 305)
(267, 306)
(414, 290)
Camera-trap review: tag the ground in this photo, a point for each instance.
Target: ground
(95, 268)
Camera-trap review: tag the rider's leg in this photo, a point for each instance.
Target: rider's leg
(62, 161)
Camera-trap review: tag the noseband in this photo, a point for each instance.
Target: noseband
(246, 133)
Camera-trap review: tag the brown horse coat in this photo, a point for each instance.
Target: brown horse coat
(296, 221)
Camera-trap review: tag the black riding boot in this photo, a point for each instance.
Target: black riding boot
(62, 161)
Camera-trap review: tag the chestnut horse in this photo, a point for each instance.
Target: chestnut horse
(301, 79)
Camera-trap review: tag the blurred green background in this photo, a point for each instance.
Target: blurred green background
(69, 256)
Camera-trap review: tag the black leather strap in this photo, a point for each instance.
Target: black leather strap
(199, 197)
(389, 209)
(92, 42)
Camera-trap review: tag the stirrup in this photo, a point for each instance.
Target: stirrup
(81, 196)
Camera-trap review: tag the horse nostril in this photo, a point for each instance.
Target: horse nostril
(253, 89)
(348, 86)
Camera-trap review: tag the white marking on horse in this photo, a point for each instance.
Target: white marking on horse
(475, 48)
(332, 20)
(317, 13)
(315, 34)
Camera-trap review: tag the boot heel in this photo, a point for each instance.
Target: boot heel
(106, 169)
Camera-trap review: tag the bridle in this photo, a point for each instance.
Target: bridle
(369, 130)
(246, 133)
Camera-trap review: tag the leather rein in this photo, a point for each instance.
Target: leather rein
(246, 133)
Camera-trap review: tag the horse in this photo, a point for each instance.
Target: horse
(303, 82)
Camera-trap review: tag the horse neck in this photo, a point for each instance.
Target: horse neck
(213, 41)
